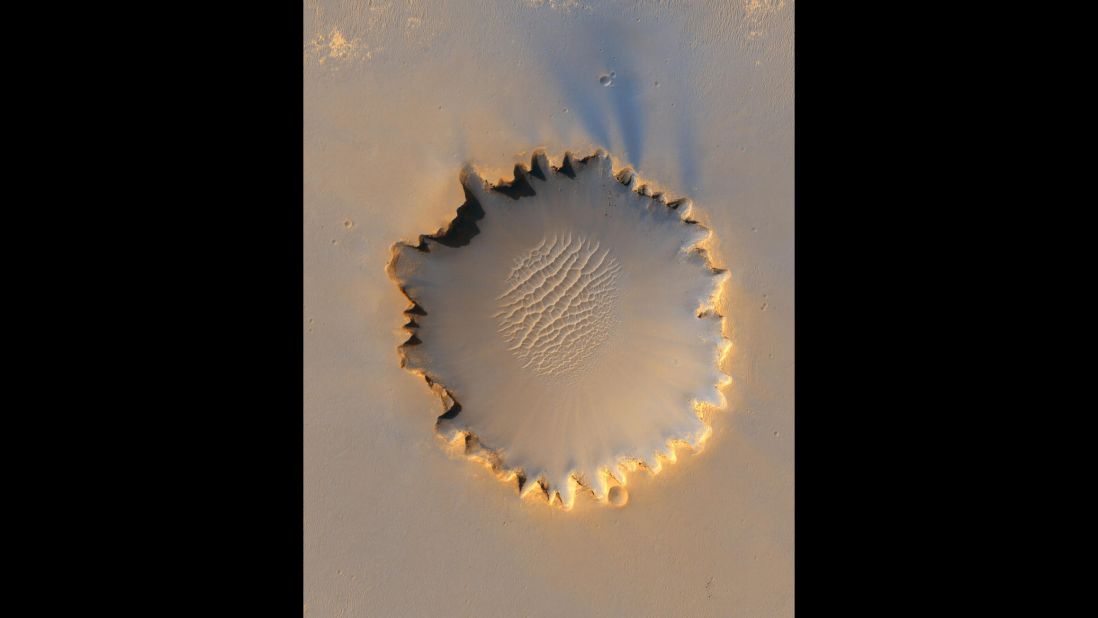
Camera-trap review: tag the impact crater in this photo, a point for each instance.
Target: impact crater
(567, 321)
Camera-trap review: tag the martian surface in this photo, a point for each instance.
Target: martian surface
(548, 308)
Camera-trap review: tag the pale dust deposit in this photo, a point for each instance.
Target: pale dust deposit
(398, 97)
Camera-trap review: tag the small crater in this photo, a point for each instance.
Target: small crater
(617, 496)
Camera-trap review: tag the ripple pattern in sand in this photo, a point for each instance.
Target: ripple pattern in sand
(558, 306)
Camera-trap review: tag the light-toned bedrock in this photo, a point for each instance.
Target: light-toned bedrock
(567, 322)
